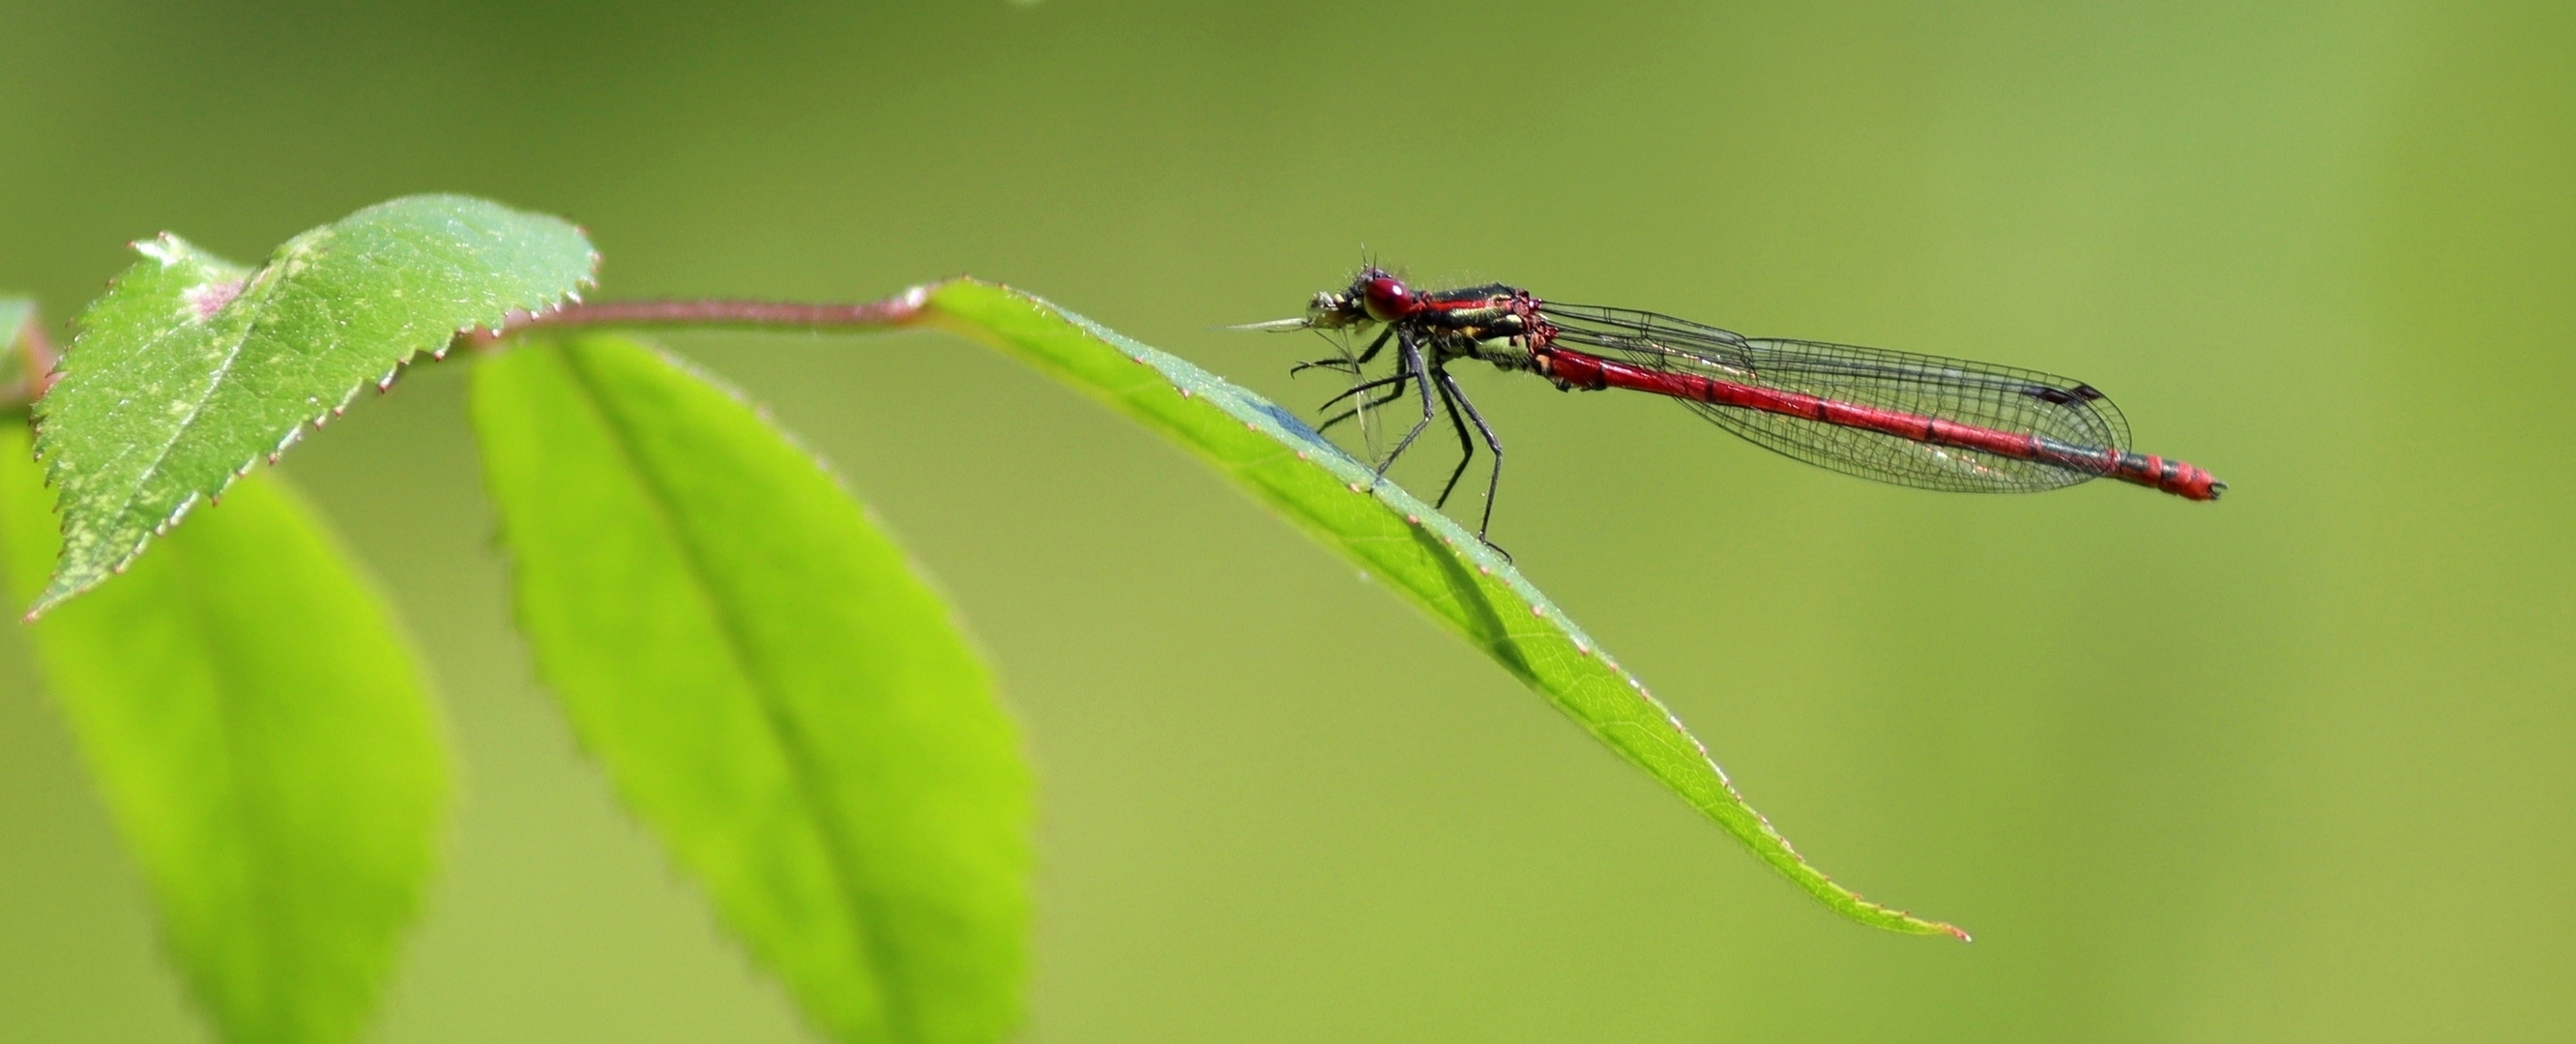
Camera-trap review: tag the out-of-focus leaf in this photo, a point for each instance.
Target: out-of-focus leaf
(769, 684)
(15, 314)
(1400, 540)
(191, 368)
(265, 744)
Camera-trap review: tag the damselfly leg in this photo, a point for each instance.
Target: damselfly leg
(1457, 397)
(1411, 355)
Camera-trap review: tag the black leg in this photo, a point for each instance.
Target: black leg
(1466, 447)
(1374, 346)
(1398, 380)
(1364, 405)
(1413, 364)
(1351, 365)
(1371, 404)
(1449, 386)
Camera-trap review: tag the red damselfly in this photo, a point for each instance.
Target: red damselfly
(1913, 420)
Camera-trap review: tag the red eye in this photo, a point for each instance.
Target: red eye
(1386, 298)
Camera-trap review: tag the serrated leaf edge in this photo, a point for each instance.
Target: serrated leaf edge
(164, 248)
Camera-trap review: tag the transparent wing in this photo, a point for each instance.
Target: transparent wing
(1998, 398)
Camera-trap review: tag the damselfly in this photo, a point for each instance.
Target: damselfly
(1913, 420)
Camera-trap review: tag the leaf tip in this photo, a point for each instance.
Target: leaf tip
(63, 588)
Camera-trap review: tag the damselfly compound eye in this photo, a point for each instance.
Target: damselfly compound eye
(1386, 298)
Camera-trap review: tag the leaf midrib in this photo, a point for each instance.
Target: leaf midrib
(160, 457)
(845, 872)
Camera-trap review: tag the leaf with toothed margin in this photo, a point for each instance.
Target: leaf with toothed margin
(770, 684)
(191, 368)
(1430, 560)
(263, 738)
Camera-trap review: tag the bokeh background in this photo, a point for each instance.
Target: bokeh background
(2295, 766)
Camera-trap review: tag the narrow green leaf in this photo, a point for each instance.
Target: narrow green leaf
(265, 744)
(191, 367)
(770, 685)
(1400, 540)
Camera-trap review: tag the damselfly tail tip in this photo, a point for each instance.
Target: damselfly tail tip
(2215, 488)
(1274, 325)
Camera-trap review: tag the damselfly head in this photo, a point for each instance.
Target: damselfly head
(1375, 296)
(1380, 294)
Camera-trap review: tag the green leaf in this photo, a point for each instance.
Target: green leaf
(265, 744)
(770, 685)
(1400, 540)
(191, 367)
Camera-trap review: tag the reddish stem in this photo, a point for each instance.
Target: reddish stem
(761, 315)
(894, 311)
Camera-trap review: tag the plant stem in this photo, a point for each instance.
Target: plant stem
(891, 312)
(712, 312)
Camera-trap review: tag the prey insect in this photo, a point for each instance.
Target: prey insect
(1913, 420)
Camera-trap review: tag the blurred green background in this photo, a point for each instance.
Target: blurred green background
(2291, 767)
